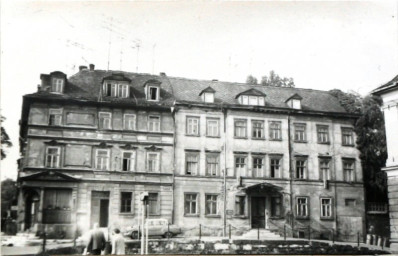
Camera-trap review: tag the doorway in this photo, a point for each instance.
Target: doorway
(258, 212)
(100, 208)
(31, 209)
(104, 210)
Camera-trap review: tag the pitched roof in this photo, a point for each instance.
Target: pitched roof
(251, 92)
(294, 96)
(393, 84)
(85, 85)
(208, 89)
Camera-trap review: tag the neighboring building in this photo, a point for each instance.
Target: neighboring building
(389, 94)
(225, 153)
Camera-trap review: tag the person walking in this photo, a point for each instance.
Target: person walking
(118, 246)
(96, 242)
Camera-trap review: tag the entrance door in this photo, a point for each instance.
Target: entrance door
(104, 210)
(258, 212)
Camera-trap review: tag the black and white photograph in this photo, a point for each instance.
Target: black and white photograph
(199, 127)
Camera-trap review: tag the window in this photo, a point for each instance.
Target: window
(258, 129)
(55, 117)
(192, 165)
(102, 159)
(301, 168)
(240, 205)
(57, 204)
(107, 89)
(323, 133)
(193, 125)
(123, 90)
(261, 101)
(129, 122)
(153, 161)
(128, 161)
(153, 204)
(53, 157)
(275, 167)
(349, 170)
(126, 202)
(302, 207)
(116, 90)
(350, 202)
(244, 100)
(154, 123)
(191, 204)
(240, 128)
(326, 208)
(258, 163)
(208, 97)
(253, 100)
(299, 132)
(213, 127)
(324, 167)
(276, 202)
(153, 93)
(211, 205)
(212, 164)
(275, 132)
(240, 165)
(347, 136)
(57, 85)
(105, 120)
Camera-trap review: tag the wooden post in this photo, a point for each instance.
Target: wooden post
(200, 231)
(358, 238)
(168, 230)
(44, 242)
(309, 233)
(333, 236)
(284, 232)
(258, 233)
(229, 231)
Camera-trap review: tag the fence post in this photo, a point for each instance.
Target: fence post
(358, 238)
(284, 232)
(200, 231)
(74, 240)
(168, 231)
(44, 242)
(258, 233)
(333, 236)
(229, 231)
(309, 233)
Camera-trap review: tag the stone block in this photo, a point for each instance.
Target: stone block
(220, 246)
(247, 247)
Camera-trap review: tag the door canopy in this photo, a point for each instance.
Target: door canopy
(262, 187)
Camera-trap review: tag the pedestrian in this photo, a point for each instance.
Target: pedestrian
(118, 247)
(96, 242)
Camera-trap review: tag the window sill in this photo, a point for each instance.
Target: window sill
(327, 219)
(300, 141)
(239, 216)
(324, 143)
(215, 137)
(154, 214)
(191, 215)
(244, 138)
(348, 145)
(212, 216)
(126, 213)
(275, 139)
(253, 138)
(192, 135)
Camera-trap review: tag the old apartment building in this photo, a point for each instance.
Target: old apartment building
(208, 152)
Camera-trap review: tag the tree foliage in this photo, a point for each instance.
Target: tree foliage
(8, 195)
(5, 139)
(371, 140)
(251, 80)
(274, 79)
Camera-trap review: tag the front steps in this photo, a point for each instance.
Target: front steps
(264, 234)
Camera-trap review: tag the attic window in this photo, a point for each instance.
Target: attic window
(153, 93)
(113, 89)
(294, 101)
(251, 100)
(57, 85)
(296, 104)
(208, 97)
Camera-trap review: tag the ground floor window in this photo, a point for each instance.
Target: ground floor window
(276, 206)
(211, 204)
(126, 202)
(240, 205)
(153, 204)
(326, 208)
(57, 206)
(302, 207)
(191, 204)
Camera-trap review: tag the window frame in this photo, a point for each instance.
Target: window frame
(131, 203)
(102, 119)
(305, 166)
(321, 168)
(197, 155)
(273, 131)
(322, 216)
(57, 87)
(208, 97)
(277, 205)
(108, 159)
(192, 125)
(212, 202)
(125, 118)
(157, 159)
(353, 170)
(132, 166)
(212, 119)
(245, 170)
(237, 202)
(211, 155)
(157, 92)
(325, 134)
(57, 156)
(158, 126)
(350, 132)
(255, 129)
(306, 205)
(262, 170)
(279, 158)
(240, 127)
(302, 133)
(157, 213)
(197, 201)
(57, 112)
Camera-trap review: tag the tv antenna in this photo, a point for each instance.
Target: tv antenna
(136, 45)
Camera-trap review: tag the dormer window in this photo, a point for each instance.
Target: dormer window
(207, 95)
(114, 89)
(152, 90)
(57, 85)
(294, 101)
(251, 97)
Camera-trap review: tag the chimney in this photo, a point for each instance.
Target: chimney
(92, 66)
(162, 74)
(82, 68)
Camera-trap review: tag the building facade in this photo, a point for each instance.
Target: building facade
(389, 94)
(208, 152)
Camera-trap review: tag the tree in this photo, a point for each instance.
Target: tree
(275, 80)
(8, 195)
(251, 80)
(371, 140)
(5, 139)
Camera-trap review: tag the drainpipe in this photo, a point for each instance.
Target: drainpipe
(225, 170)
(173, 110)
(290, 169)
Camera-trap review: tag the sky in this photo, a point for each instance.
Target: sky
(321, 45)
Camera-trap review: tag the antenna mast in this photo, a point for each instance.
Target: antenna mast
(110, 40)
